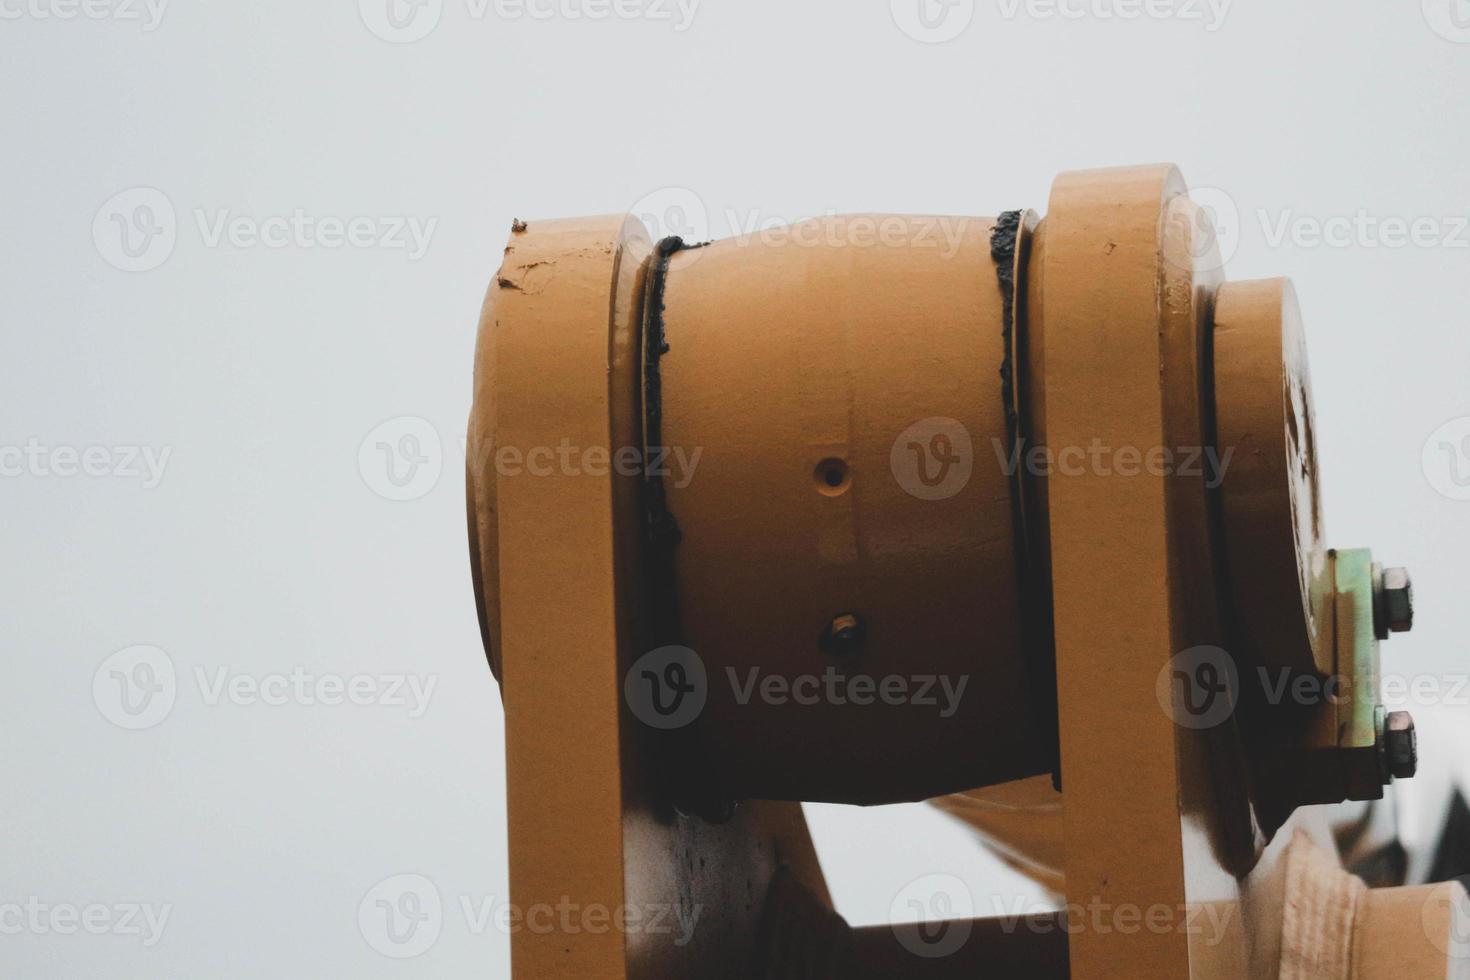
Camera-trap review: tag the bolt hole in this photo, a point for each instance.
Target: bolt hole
(833, 477)
(844, 635)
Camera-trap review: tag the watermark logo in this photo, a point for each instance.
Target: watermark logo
(135, 230)
(1211, 229)
(1198, 687)
(932, 21)
(135, 688)
(401, 21)
(401, 459)
(1446, 459)
(1218, 226)
(1450, 19)
(1445, 919)
(402, 916)
(667, 688)
(674, 211)
(933, 459)
(931, 916)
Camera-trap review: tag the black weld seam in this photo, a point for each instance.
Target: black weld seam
(1006, 240)
(687, 770)
(660, 528)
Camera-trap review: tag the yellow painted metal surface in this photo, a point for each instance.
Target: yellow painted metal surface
(833, 426)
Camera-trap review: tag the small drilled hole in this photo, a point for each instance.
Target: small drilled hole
(832, 476)
(844, 635)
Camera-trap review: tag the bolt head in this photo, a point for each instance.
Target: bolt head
(1398, 599)
(1392, 601)
(1401, 745)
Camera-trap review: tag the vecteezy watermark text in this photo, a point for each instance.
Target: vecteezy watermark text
(1364, 229)
(136, 230)
(1210, 14)
(680, 211)
(1200, 688)
(402, 459)
(943, 235)
(404, 915)
(308, 689)
(668, 688)
(40, 918)
(933, 916)
(672, 463)
(406, 21)
(1099, 459)
(835, 687)
(147, 13)
(35, 459)
(136, 688)
(676, 465)
(1209, 922)
(300, 229)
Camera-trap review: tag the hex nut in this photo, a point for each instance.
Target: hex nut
(1394, 605)
(1401, 745)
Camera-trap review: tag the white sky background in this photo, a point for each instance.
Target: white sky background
(262, 550)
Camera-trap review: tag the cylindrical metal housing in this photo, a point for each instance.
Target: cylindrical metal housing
(838, 444)
(842, 495)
